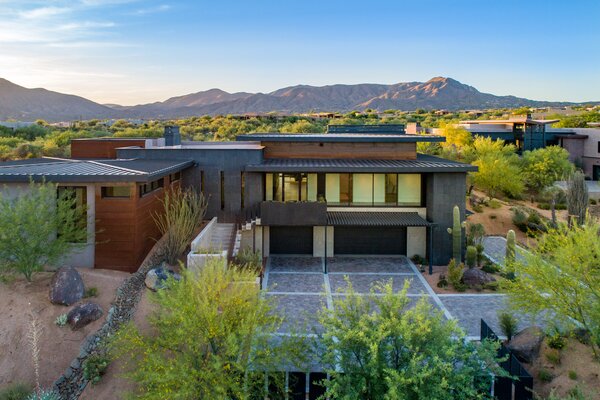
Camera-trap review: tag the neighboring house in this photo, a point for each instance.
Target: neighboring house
(354, 190)
(583, 145)
(120, 196)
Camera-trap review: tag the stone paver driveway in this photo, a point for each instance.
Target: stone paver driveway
(301, 289)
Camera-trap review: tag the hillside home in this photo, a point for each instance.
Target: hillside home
(354, 190)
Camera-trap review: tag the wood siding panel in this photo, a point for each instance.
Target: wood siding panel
(101, 148)
(315, 150)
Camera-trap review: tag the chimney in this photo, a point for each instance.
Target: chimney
(172, 136)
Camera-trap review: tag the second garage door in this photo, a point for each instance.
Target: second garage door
(291, 239)
(368, 240)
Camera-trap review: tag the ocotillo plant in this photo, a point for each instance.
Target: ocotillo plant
(510, 247)
(456, 232)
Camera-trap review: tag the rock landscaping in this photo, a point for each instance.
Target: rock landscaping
(66, 287)
(157, 277)
(526, 344)
(83, 314)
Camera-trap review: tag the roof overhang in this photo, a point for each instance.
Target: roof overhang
(375, 219)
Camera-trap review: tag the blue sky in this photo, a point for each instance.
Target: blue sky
(130, 52)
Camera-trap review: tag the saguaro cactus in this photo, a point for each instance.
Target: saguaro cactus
(510, 246)
(456, 232)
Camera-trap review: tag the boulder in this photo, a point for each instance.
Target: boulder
(66, 287)
(156, 277)
(475, 276)
(83, 314)
(526, 344)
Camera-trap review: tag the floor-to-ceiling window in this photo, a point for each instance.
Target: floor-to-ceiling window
(373, 189)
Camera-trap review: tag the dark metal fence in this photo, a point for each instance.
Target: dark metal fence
(520, 386)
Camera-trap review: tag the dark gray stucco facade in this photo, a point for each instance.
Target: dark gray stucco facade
(206, 174)
(443, 192)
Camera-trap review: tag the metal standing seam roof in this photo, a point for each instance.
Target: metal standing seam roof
(423, 163)
(69, 170)
(375, 218)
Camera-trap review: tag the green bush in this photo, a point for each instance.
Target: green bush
(545, 375)
(417, 259)
(534, 218)
(593, 202)
(495, 204)
(17, 391)
(490, 268)
(90, 292)
(508, 324)
(520, 219)
(572, 375)
(491, 286)
(471, 256)
(455, 274)
(553, 357)
(556, 341)
(250, 260)
(477, 208)
(95, 366)
(442, 281)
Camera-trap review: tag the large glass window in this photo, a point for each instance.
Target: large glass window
(391, 188)
(332, 188)
(345, 188)
(409, 189)
(291, 190)
(362, 189)
(123, 192)
(311, 187)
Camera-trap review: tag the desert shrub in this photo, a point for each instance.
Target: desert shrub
(572, 375)
(495, 204)
(491, 286)
(250, 260)
(471, 256)
(442, 281)
(490, 267)
(17, 391)
(576, 393)
(477, 208)
(90, 292)
(493, 216)
(534, 217)
(184, 210)
(556, 341)
(417, 259)
(475, 234)
(553, 357)
(508, 324)
(545, 375)
(455, 274)
(95, 366)
(61, 320)
(520, 219)
(593, 202)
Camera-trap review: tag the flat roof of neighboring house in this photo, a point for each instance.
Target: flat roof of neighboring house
(375, 218)
(61, 170)
(423, 163)
(340, 137)
(523, 120)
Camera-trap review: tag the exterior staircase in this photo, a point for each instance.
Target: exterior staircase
(222, 237)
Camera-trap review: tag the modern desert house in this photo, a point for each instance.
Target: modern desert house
(353, 190)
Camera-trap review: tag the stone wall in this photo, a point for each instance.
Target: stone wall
(71, 383)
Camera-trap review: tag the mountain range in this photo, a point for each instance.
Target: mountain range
(24, 104)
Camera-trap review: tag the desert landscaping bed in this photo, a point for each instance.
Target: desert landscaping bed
(58, 345)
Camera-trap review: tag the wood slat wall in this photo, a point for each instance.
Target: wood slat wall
(373, 151)
(126, 231)
(101, 148)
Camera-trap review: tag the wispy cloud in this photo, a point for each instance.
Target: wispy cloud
(152, 10)
(44, 12)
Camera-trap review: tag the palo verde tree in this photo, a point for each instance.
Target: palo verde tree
(560, 278)
(379, 347)
(542, 167)
(211, 337)
(38, 226)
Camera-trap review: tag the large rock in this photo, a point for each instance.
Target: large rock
(66, 287)
(83, 314)
(475, 276)
(156, 277)
(526, 344)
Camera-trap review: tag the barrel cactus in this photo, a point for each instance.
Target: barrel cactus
(456, 232)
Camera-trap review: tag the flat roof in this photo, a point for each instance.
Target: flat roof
(511, 121)
(234, 145)
(375, 218)
(423, 163)
(89, 171)
(341, 137)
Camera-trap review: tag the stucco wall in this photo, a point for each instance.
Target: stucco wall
(319, 241)
(82, 257)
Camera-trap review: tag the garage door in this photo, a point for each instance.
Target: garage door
(364, 240)
(291, 239)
